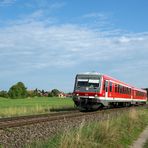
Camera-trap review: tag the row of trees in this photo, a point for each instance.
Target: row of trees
(20, 91)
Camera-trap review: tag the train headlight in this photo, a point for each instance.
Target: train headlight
(77, 94)
(96, 95)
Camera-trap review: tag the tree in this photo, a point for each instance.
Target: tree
(43, 92)
(37, 92)
(18, 91)
(50, 94)
(55, 92)
(3, 94)
(31, 93)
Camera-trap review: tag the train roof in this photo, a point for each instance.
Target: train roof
(89, 73)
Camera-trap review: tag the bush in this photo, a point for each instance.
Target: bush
(18, 91)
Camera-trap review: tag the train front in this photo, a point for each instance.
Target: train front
(87, 91)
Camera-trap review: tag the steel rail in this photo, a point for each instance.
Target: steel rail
(35, 116)
(26, 120)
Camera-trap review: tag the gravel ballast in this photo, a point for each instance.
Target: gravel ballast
(20, 136)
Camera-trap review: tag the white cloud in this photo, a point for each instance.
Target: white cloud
(43, 45)
(124, 39)
(33, 43)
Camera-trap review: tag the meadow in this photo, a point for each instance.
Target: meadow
(36, 105)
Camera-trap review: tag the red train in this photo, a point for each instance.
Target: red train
(94, 90)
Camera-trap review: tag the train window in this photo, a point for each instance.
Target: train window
(110, 86)
(138, 93)
(106, 86)
(119, 89)
(126, 90)
(116, 87)
(130, 91)
(123, 90)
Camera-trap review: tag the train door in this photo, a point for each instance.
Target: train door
(106, 88)
(110, 89)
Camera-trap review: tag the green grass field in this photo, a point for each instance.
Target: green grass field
(15, 107)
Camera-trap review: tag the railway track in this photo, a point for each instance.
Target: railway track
(33, 119)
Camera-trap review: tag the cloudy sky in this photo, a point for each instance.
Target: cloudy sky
(45, 43)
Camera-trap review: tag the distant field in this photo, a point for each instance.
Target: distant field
(14, 107)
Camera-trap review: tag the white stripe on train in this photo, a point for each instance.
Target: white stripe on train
(120, 99)
(114, 99)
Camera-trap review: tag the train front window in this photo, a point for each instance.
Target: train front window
(93, 83)
(90, 83)
(82, 83)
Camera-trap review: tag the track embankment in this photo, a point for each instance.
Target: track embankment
(19, 131)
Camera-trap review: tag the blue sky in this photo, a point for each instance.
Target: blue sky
(45, 43)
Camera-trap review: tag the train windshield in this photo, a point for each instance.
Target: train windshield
(91, 83)
(87, 83)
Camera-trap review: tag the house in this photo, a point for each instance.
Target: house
(61, 95)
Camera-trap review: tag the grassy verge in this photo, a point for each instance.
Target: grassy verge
(16, 107)
(146, 144)
(113, 133)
